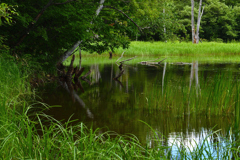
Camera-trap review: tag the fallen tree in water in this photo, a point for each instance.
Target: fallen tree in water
(72, 75)
(151, 62)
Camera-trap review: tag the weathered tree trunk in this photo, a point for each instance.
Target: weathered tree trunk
(200, 13)
(164, 27)
(69, 52)
(195, 33)
(192, 20)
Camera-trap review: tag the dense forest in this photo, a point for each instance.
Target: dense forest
(45, 29)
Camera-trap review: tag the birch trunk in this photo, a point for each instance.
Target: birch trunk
(192, 20)
(164, 27)
(69, 52)
(200, 13)
(195, 33)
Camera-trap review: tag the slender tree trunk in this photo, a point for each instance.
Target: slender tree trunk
(164, 27)
(200, 13)
(195, 33)
(192, 20)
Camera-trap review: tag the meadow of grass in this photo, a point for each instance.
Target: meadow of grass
(174, 52)
(182, 49)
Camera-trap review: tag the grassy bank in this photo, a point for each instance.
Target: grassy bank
(26, 133)
(182, 49)
(206, 52)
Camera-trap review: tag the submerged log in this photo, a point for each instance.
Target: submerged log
(182, 63)
(128, 59)
(70, 69)
(78, 72)
(150, 62)
(71, 75)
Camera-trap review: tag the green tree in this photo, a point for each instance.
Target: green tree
(219, 21)
(46, 28)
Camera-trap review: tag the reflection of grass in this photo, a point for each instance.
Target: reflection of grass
(217, 96)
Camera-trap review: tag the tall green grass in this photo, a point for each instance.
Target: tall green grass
(216, 96)
(182, 49)
(174, 52)
(13, 86)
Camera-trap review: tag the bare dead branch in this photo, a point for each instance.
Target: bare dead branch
(128, 59)
(161, 60)
(120, 57)
(150, 62)
(154, 60)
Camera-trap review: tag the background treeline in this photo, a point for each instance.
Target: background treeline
(46, 29)
(220, 21)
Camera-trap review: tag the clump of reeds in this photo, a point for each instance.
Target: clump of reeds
(215, 96)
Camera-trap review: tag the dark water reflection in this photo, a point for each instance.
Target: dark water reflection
(120, 107)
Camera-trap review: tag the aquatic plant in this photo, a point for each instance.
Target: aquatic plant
(214, 96)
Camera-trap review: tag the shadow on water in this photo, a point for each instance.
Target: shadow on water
(160, 95)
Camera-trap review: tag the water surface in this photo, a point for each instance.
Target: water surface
(122, 105)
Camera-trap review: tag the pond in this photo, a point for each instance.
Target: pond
(183, 102)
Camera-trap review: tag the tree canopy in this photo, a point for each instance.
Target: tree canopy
(45, 29)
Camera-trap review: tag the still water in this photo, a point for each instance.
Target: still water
(122, 106)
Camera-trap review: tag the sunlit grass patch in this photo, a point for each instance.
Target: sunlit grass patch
(206, 52)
